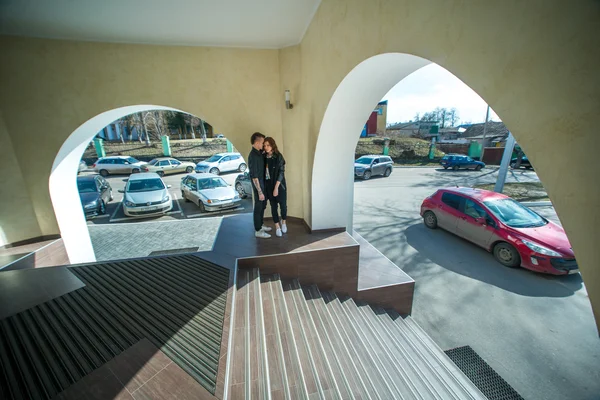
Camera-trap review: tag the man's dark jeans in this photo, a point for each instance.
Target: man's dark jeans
(259, 211)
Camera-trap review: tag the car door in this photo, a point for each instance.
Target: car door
(448, 211)
(119, 166)
(234, 163)
(375, 167)
(186, 188)
(164, 166)
(109, 165)
(475, 224)
(176, 166)
(225, 164)
(194, 195)
(102, 188)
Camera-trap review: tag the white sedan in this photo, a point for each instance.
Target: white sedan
(210, 192)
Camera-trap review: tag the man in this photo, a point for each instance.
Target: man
(256, 163)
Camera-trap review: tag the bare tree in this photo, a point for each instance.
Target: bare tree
(454, 117)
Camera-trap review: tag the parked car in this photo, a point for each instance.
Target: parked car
(243, 185)
(168, 165)
(210, 192)
(146, 195)
(367, 166)
(117, 165)
(222, 162)
(516, 235)
(82, 167)
(525, 163)
(94, 192)
(457, 161)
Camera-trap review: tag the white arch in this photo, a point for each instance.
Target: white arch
(63, 185)
(348, 109)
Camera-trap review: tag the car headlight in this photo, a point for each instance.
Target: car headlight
(93, 204)
(541, 249)
(165, 199)
(213, 201)
(236, 197)
(129, 204)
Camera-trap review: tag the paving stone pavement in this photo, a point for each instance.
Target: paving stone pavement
(118, 241)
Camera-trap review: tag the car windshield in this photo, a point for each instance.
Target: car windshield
(214, 158)
(514, 214)
(211, 183)
(364, 160)
(132, 160)
(86, 186)
(145, 185)
(152, 162)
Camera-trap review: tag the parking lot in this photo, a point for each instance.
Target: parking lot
(181, 209)
(537, 331)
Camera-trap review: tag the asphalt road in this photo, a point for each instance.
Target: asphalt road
(181, 209)
(536, 331)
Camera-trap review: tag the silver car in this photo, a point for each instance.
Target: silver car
(222, 162)
(146, 195)
(117, 165)
(210, 192)
(367, 166)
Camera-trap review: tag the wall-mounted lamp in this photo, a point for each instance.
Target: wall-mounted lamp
(288, 105)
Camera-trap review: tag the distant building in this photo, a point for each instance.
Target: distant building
(496, 134)
(377, 122)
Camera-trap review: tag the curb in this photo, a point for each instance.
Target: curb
(416, 166)
(537, 203)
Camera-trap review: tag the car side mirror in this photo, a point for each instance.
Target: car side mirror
(121, 191)
(481, 221)
(127, 162)
(168, 186)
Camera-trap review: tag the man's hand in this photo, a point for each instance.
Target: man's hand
(276, 192)
(261, 197)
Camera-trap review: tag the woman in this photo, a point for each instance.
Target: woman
(275, 184)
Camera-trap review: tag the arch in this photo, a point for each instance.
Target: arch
(63, 188)
(346, 113)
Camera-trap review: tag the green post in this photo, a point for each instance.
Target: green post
(166, 146)
(229, 146)
(386, 146)
(99, 146)
(432, 148)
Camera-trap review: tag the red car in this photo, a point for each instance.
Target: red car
(516, 235)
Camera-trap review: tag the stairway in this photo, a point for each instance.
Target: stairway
(295, 342)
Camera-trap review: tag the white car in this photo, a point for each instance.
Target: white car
(210, 192)
(146, 195)
(117, 165)
(222, 162)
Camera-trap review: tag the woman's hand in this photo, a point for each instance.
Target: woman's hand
(276, 192)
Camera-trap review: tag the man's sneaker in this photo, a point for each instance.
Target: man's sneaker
(266, 228)
(284, 228)
(262, 234)
(278, 233)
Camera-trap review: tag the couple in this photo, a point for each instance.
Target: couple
(267, 172)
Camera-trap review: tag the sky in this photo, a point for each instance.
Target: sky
(430, 87)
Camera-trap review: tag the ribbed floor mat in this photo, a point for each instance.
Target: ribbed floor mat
(482, 375)
(177, 302)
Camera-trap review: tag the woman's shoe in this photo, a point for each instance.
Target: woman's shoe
(284, 228)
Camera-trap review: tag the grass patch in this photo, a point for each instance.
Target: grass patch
(520, 191)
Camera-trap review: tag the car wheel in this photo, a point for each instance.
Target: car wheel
(103, 172)
(367, 175)
(184, 198)
(430, 220)
(160, 173)
(201, 206)
(240, 190)
(189, 170)
(445, 167)
(513, 165)
(242, 167)
(214, 171)
(101, 208)
(507, 255)
(387, 172)
(478, 168)
(455, 168)
(135, 170)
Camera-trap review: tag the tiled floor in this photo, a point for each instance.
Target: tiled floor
(140, 372)
(120, 241)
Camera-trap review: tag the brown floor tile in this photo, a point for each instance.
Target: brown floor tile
(136, 365)
(98, 385)
(172, 383)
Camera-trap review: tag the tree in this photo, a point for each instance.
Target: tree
(454, 117)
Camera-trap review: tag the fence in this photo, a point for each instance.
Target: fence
(453, 148)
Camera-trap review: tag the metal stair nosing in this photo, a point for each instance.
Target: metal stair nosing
(263, 360)
(232, 312)
(443, 374)
(456, 375)
(359, 352)
(305, 339)
(377, 352)
(402, 355)
(314, 304)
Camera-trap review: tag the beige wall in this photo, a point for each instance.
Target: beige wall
(49, 88)
(534, 62)
(17, 219)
